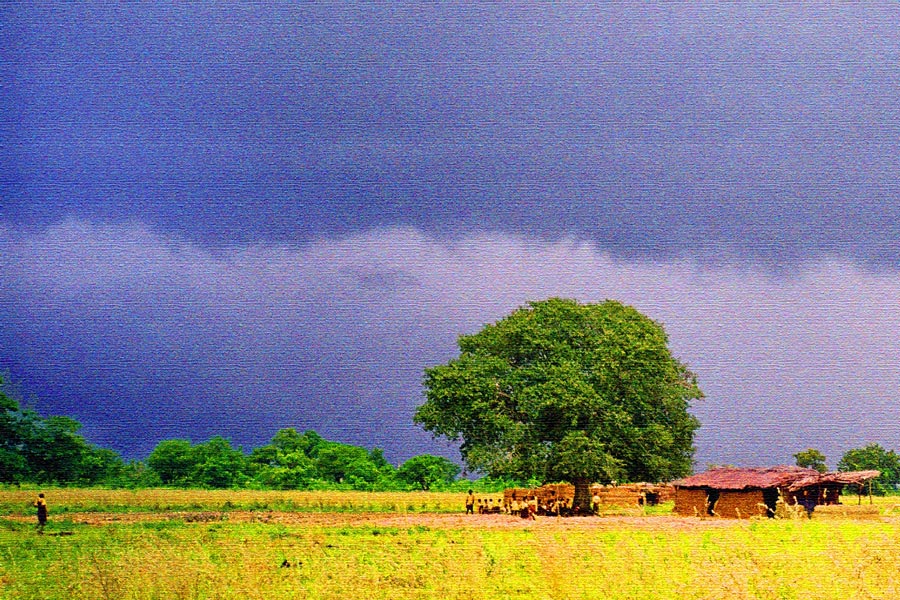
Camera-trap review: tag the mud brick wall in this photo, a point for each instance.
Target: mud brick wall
(690, 502)
(666, 492)
(740, 504)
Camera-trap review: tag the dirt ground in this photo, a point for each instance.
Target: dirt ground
(401, 521)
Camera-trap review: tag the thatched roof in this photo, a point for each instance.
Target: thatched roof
(730, 478)
(760, 478)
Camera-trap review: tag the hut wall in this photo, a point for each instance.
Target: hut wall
(665, 492)
(610, 495)
(557, 490)
(740, 504)
(631, 494)
(690, 502)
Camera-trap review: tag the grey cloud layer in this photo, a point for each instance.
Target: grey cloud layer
(754, 133)
(145, 336)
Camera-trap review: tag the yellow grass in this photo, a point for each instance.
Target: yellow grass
(65, 500)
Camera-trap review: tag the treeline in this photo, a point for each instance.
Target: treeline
(39, 450)
(50, 450)
(292, 461)
(870, 457)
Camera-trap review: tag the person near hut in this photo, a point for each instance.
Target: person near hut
(525, 513)
(470, 503)
(543, 508)
(41, 504)
(808, 502)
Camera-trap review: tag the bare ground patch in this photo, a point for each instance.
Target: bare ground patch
(430, 520)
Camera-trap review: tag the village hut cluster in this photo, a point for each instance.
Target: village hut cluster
(558, 499)
(748, 492)
(725, 492)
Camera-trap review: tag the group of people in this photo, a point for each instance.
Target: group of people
(484, 506)
(527, 507)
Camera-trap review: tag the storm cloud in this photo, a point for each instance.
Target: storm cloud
(145, 336)
(753, 133)
(220, 219)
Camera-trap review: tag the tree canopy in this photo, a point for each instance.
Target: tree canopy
(425, 470)
(559, 390)
(875, 457)
(811, 459)
(49, 450)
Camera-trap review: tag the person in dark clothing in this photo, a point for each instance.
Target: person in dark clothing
(808, 502)
(41, 505)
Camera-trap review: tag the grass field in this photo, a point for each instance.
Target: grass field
(352, 545)
(66, 500)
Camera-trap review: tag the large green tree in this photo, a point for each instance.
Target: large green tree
(565, 391)
(286, 462)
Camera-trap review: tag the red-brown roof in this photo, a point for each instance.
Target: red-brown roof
(794, 478)
(730, 478)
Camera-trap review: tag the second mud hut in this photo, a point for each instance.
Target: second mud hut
(747, 492)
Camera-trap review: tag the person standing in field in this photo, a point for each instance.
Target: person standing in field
(41, 505)
(470, 503)
(595, 502)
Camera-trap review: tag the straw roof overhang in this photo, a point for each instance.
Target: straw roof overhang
(837, 477)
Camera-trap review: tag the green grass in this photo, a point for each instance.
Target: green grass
(341, 556)
(765, 559)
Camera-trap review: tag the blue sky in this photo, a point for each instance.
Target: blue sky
(229, 220)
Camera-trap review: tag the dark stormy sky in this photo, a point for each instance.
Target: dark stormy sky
(220, 219)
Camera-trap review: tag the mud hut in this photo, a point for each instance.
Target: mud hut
(747, 492)
(623, 495)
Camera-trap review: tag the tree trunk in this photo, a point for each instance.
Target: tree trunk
(582, 502)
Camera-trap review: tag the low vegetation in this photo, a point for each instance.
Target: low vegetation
(372, 545)
(50, 451)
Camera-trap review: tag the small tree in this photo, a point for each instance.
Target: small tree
(874, 457)
(811, 459)
(344, 463)
(217, 464)
(425, 470)
(172, 460)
